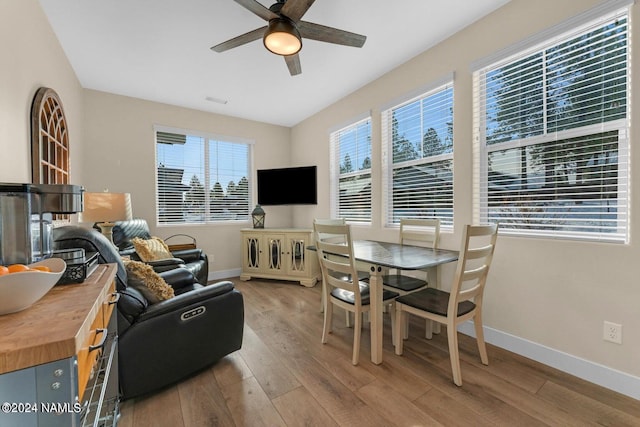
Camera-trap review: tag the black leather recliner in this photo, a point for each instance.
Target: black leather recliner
(195, 260)
(158, 344)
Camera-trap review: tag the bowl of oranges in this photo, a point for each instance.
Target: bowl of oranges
(23, 285)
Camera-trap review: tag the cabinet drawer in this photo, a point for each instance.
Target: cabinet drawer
(93, 347)
(91, 351)
(109, 304)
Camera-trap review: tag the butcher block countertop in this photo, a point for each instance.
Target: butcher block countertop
(55, 327)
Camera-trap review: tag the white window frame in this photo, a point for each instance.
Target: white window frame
(336, 175)
(589, 20)
(208, 138)
(440, 85)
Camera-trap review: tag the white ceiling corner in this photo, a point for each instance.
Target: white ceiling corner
(159, 50)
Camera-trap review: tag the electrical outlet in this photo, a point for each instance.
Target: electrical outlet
(612, 332)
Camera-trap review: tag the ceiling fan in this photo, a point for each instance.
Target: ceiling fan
(283, 35)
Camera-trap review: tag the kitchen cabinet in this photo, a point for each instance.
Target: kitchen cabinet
(59, 358)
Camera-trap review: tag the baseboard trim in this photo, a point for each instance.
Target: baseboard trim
(596, 373)
(224, 274)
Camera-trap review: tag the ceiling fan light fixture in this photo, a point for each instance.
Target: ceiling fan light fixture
(282, 37)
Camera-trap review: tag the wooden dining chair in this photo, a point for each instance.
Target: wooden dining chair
(362, 275)
(418, 232)
(463, 302)
(340, 278)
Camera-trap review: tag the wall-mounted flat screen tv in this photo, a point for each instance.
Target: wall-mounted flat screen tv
(288, 186)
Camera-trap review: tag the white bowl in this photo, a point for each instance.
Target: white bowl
(21, 290)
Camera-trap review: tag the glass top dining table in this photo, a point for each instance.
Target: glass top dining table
(379, 257)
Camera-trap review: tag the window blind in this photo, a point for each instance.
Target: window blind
(201, 178)
(552, 141)
(418, 157)
(351, 172)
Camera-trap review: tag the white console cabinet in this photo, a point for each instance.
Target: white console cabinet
(279, 253)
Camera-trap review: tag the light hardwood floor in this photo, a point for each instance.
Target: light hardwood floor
(284, 376)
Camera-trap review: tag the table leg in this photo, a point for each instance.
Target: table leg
(434, 280)
(375, 295)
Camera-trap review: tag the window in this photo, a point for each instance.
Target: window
(418, 156)
(201, 178)
(351, 172)
(552, 136)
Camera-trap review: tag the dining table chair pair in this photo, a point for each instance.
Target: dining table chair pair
(462, 302)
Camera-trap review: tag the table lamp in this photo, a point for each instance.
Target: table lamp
(104, 209)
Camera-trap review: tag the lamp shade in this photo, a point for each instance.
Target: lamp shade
(282, 37)
(106, 207)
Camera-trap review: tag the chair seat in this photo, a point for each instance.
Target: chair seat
(403, 283)
(347, 296)
(433, 301)
(362, 276)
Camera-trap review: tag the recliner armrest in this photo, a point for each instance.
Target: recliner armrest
(178, 278)
(189, 255)
(183, 300)
(166, 262)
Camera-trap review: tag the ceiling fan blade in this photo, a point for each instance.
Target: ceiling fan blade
(322, 33)
(293, 62)
(240, 40)
(257, 8)
(294, 9)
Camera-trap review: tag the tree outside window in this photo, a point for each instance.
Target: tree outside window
(191, 173)
(351, 148)
(419, 170)
(555, 136)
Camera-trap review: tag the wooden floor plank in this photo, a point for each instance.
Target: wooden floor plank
(449, 411)
(292, 339)
(203, 403)
(531, 404)
(231, 369)
(342, 404)
(162, 409)
(250, 406)
(473, 395)
(607, 397)
(284, 375)
(299, 408)
(269, 371)
(584, 408)
(394, 407)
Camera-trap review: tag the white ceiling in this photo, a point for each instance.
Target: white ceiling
(159, 50)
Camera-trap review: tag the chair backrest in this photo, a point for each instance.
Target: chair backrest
(476, 254)
(330, 221)
(125, 231)
(335, 251)
(420, 232)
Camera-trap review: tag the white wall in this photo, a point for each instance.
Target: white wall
(555, 293)
(120, 156)
(32, 58)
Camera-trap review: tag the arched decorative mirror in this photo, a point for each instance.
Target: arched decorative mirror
(49, 139)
